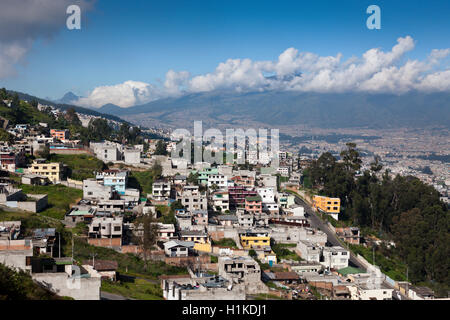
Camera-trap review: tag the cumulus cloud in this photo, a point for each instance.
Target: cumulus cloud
(126, 94)
(375, 71)
(22, 22)
(12, 53)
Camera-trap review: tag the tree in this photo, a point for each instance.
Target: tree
(15, 101)
(192, 178)
(72, 117)
(351, 158)
(376, 166)
(6, 136)
(161, 148)
(3, 94)
(156, 171)
(44, 152)
(99, 129)
(149, 237)
(34, 103)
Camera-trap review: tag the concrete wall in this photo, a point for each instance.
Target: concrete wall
(15, 259)
(61, 284)
(40, 203)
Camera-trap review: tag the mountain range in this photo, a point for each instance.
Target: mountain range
(323, 110)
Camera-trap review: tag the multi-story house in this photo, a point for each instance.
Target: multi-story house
(327, 205)
(220, 201)
(219, 180)
(161, 190)
(60, 134)
(253, 204)
(192, 199)
(267, 194)
(255, 240)
(53, 171)
(309, 251)
(335, 257)
(244, 178)
(106, 151)
(237, 196)
(93, 190)
(106, 227)
(117, 179)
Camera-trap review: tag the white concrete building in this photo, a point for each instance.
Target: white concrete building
(132, 156)
(308, 251)
(267, 194)
(363, 292)
(220, 180)
(161, 190)
(335, 257)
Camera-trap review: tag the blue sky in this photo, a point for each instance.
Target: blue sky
(142, 40)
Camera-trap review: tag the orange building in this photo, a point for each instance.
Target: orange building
(327, 204)
(62, 134)
(253, 204)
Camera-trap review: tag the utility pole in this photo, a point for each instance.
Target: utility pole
(59, 244)
(373, 254)
(72, 247)
(93, 260)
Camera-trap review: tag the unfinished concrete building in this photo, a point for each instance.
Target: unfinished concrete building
(242, 270)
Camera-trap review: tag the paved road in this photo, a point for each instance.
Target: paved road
(316, 222)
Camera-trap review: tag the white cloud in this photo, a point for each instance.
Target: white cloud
(126, 94)
(375, 71)
(11, 54)
(22, 22)
(175, 81)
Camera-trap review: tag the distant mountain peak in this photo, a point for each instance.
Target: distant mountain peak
(69, 97)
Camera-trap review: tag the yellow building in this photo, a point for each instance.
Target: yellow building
(255, 240)
(53, 171)
(326, 204)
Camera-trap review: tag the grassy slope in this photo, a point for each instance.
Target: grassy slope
(82, 166)
(139, 289)
(59, 198)
(144, 179)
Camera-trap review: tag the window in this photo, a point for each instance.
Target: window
(117, 228)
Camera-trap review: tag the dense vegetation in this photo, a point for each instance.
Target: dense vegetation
(402, 208)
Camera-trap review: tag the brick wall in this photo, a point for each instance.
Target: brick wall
(105, 242)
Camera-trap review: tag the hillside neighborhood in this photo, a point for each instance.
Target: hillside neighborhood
(116, 217)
